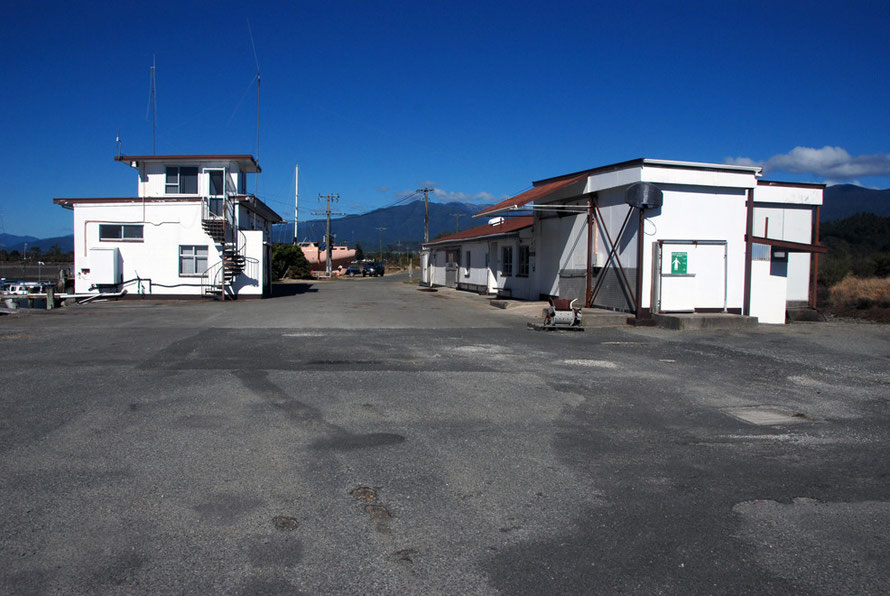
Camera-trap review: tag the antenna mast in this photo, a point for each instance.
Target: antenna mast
(258, 78)
(154, 109)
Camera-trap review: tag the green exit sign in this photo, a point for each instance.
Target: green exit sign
(678, 263)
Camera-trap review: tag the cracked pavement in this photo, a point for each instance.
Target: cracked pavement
(362, 436)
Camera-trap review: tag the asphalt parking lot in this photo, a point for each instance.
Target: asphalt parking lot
(362, 436)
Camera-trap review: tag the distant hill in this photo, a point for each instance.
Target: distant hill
(844, 200)
(403, 223)
(11, 242)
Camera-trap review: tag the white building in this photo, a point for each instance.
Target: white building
(654, 236)
(492, 258)
(191, 230)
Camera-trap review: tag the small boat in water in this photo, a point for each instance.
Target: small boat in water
(317, 255)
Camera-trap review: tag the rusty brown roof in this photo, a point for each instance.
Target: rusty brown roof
(531, 195)
(512, 224)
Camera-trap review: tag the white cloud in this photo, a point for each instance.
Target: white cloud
(382, 189)
(742, 161)
(833, 163)
(444, 196)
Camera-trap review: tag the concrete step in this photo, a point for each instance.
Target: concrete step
(806, 314)
(690, 321)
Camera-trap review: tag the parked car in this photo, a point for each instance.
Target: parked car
(18, 290)
(354, 268)
(373, 269)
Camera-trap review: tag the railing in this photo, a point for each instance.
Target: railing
(213, 279)
(218, 208)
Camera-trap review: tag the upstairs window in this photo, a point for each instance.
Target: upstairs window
(120, 232)
(181, 181)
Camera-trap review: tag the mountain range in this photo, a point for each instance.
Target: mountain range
(401, 223)
(404, 223)
(843, 200)
(12, 242)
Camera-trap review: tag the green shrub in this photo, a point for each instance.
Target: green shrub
(288, 260)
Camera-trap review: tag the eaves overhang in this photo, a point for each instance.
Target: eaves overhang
(246, 162)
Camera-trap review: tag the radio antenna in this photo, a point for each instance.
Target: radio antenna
(153, 107)
(258, 79)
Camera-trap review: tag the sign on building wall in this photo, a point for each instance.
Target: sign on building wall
(678, 263)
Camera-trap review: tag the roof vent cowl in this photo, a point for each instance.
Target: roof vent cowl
(644, 195)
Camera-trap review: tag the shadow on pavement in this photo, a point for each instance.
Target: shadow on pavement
(282, 290)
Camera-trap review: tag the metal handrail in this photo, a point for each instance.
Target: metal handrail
(214, 276)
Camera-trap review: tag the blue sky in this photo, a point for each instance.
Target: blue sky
(374, 99)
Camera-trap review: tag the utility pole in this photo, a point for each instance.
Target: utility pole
(296, 201)
(328, 240)
(457, 226)
(380, 233)
(426, 212)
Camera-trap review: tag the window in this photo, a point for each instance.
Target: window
(120, 232)
(507, 261)
(524, 253)
(192, 260)
(760, 252)
(183, 181)
(242, 183)
(467, 260)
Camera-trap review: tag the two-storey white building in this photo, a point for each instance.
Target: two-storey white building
(191, 230)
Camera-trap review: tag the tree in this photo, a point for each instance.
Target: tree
(289, 260)
(359, 252)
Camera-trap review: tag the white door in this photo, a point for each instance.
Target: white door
(693, 276)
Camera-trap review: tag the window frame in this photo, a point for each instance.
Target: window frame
(122, 237)
(195, 259)
(170, 186)
(507, 261)
(468, 260)
(524, 260)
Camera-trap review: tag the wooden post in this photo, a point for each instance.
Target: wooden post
(749, 246)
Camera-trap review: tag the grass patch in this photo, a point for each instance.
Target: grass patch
(861, 292)
(861, 298)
